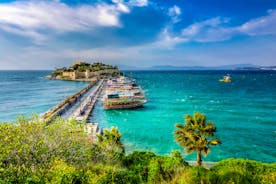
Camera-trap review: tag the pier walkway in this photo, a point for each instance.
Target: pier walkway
(77, 106)
(86, 106)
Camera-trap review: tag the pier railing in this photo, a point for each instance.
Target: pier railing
(60, 108)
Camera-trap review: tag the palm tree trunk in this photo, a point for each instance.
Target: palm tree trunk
(199, 158)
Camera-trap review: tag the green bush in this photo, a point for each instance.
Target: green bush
(138, 162)
(29, 147)
(31, 152)
(164, 168)
(151, 168)
(120, 177)
(243, 171)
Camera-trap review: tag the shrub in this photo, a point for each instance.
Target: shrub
(28, 148)
(194, 174)
(164, 168)
(244, 171)
(138, 161)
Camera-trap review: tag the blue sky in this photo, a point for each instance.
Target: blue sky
(37, 34)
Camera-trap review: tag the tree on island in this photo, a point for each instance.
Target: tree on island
(194, 135)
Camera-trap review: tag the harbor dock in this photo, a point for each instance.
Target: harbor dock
(79, 107)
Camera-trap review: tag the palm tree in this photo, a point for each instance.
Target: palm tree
(194, 135)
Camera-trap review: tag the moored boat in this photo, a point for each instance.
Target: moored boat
(123, 103)
(226, 78)
(123, 93)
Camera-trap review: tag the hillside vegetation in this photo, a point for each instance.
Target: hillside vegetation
(82, 67)
(31, 152)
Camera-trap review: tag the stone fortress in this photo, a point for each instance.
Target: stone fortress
(82, 71)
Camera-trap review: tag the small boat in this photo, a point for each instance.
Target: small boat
(226, 78)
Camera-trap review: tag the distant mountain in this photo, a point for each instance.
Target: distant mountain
(223, 67)
(127, 67)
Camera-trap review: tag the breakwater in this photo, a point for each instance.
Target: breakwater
(78, 105)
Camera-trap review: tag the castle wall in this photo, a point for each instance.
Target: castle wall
(87, 74)
(71, 75)
(80, 75)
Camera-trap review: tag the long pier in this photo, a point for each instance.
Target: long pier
(77, 106)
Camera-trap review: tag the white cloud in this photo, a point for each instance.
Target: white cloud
(30, 17)
(261, 26)
(133, 3)
(209, 30)
(174, 13)
(37, 36)
(218, 29)
(167, 40)
(123, 8)
(139, 3)
(175, 10)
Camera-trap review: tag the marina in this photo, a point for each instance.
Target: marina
(119, 93)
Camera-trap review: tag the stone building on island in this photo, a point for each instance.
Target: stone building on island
(83, 71)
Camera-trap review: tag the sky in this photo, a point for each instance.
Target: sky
(36, 34)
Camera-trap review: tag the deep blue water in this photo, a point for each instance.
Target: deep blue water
(27, 92)
(244, 111)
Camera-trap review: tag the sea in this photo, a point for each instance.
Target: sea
(244, 111)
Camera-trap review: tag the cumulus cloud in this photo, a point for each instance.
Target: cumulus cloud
(29, 18)
(218, 29)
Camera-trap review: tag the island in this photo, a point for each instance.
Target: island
(83, 71)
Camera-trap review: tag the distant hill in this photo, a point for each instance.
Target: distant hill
(223, 67)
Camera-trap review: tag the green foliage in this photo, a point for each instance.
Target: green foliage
(28, 147)
(56, 73)
(109, 147)
(194, 134)
(60, 172)
(120, 176)
(244, 171)
(31, 152)
(83, 67)
(164, 168)
(152, 168)
(192, 175)
(138, 162)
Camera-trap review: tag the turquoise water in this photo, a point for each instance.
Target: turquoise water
(27, 92)
(244, 111)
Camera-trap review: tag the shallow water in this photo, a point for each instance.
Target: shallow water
(244, 112)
